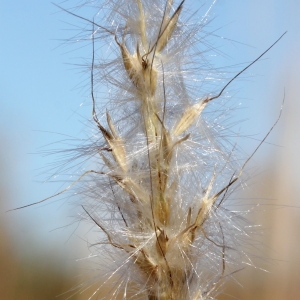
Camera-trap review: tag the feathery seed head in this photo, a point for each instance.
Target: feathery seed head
(163, 174)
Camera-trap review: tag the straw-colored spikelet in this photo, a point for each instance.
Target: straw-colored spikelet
(162, 173)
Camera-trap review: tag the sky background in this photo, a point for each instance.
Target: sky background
(44, 98)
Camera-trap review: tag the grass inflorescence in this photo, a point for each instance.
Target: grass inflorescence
(162, 170)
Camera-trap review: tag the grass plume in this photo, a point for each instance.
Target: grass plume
(162, 172)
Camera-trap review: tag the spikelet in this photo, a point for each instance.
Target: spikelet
(157, 190)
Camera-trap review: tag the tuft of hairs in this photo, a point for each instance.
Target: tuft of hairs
(163, 171)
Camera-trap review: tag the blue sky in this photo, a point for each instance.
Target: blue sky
(44, 95)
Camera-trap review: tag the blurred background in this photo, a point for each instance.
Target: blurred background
(44, 99)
